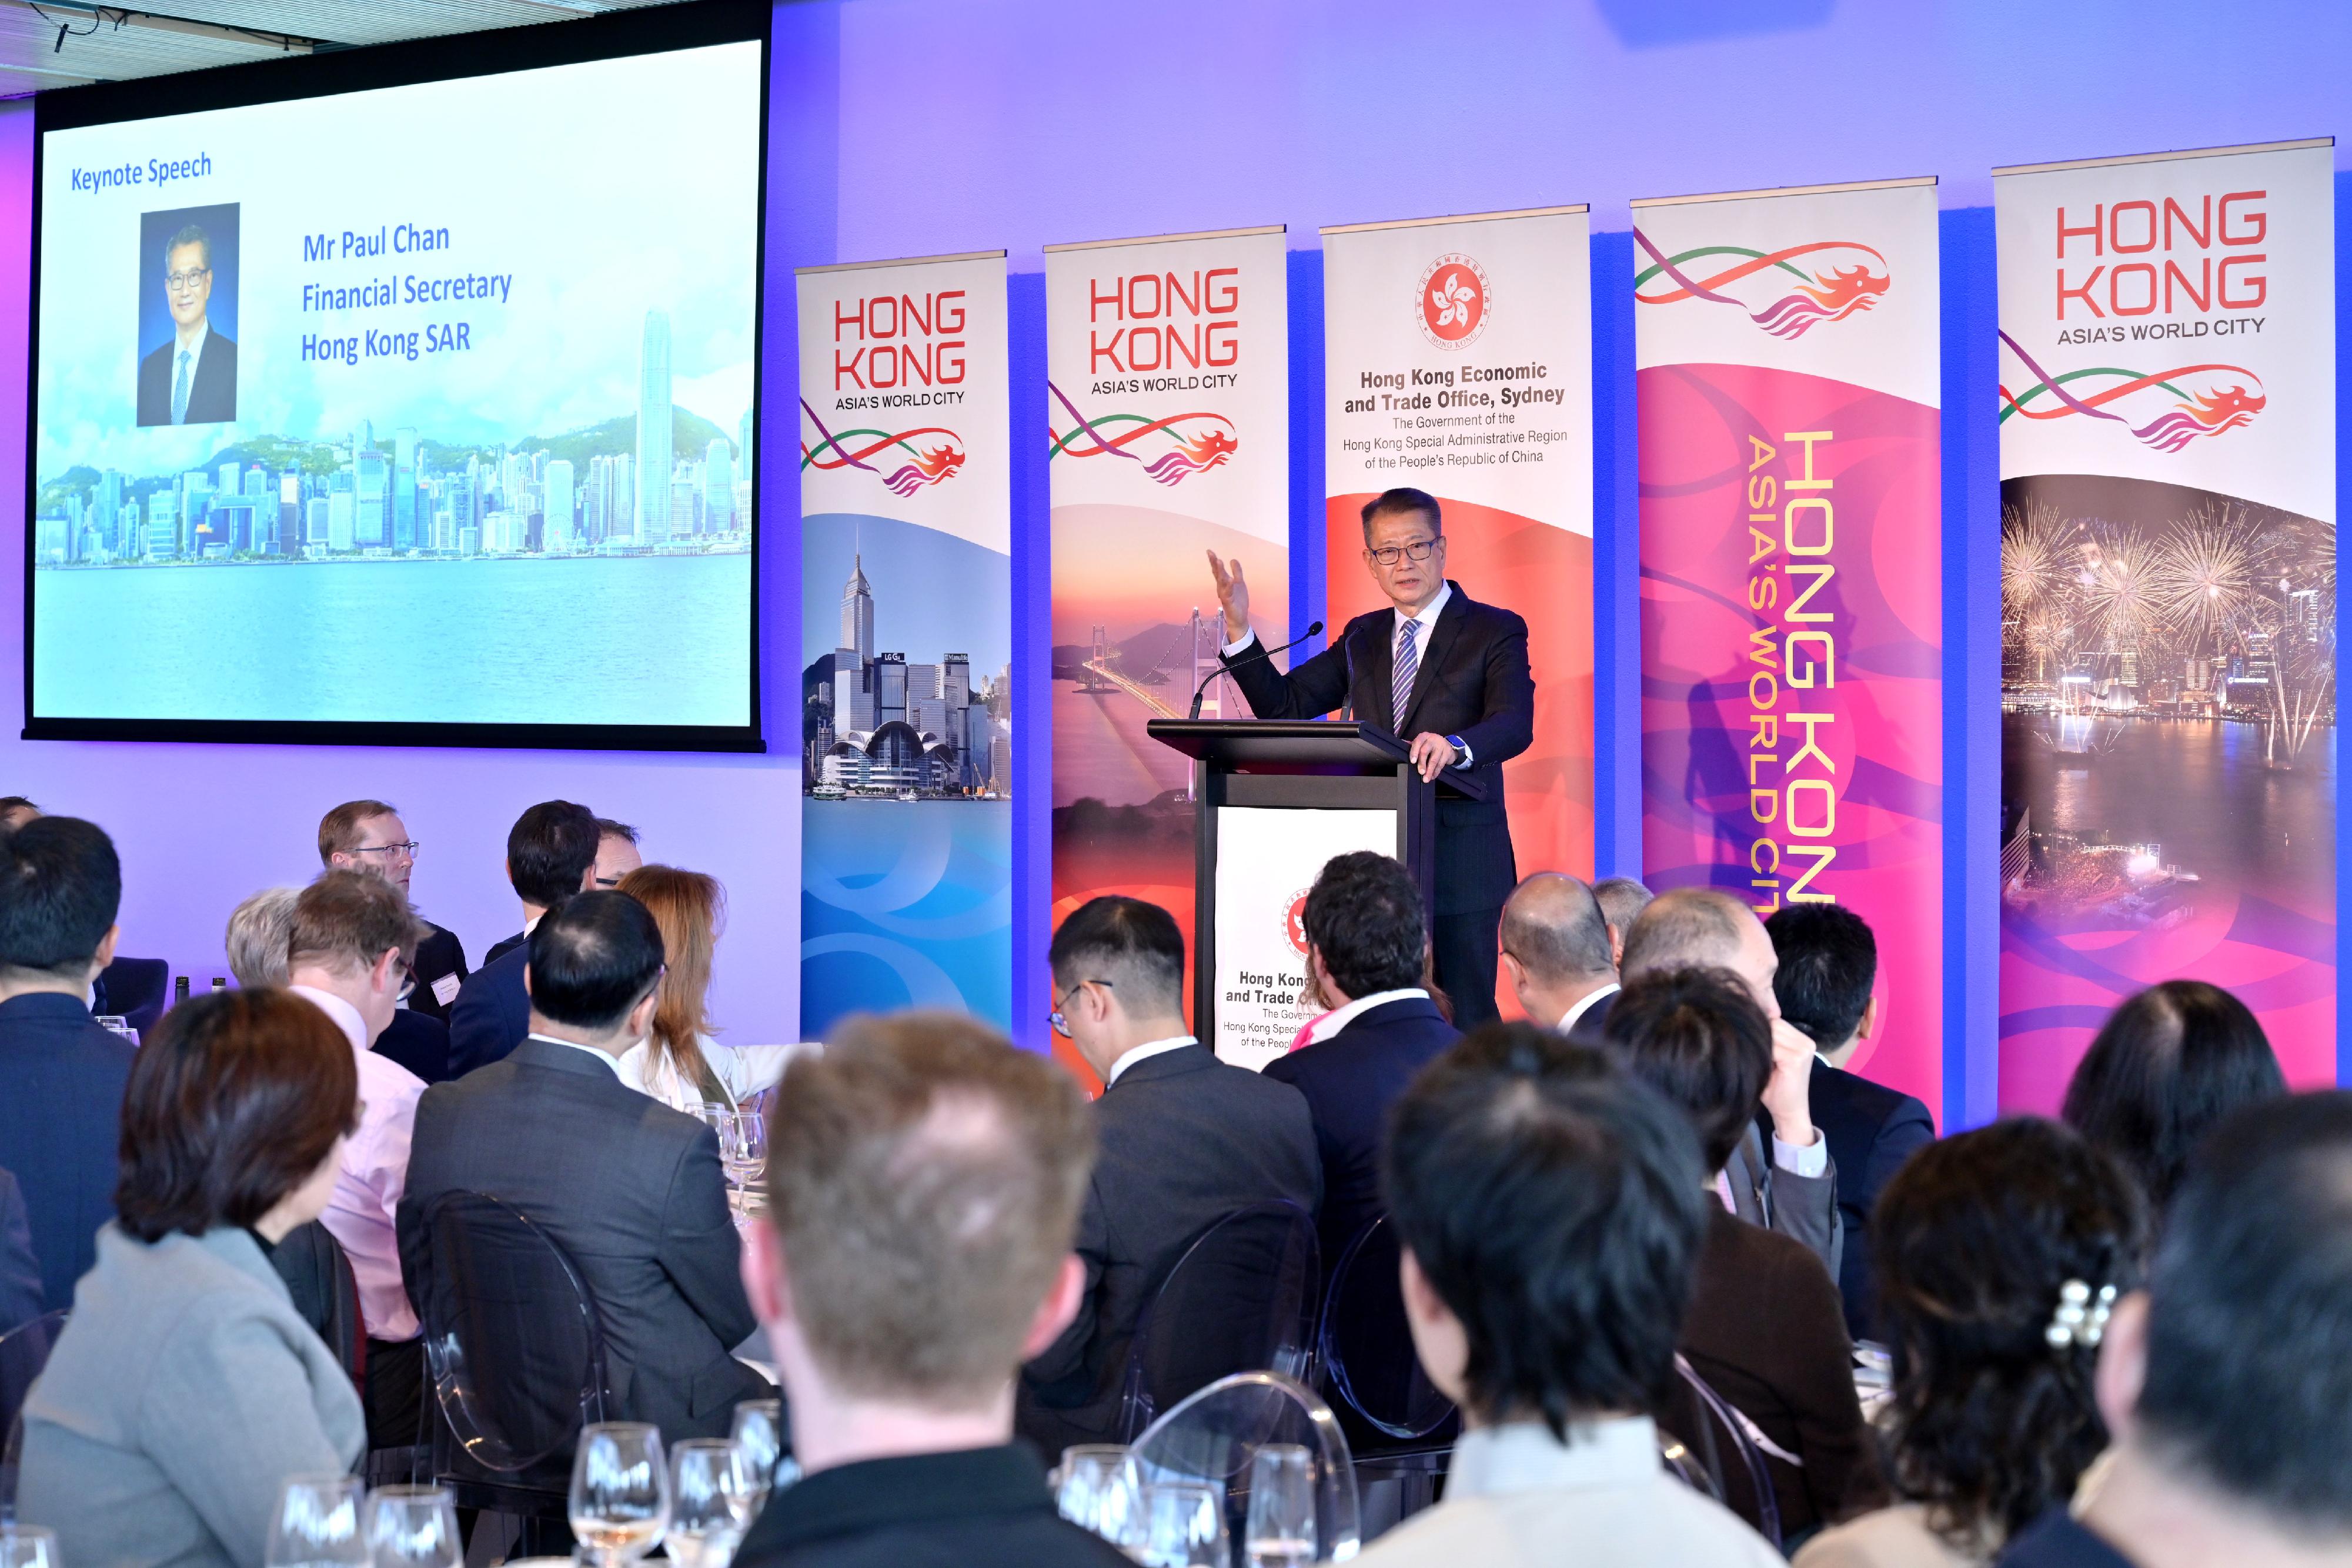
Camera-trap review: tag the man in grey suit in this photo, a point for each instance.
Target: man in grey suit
(629, 1188)
(1186, 1140)
(1795, 1193)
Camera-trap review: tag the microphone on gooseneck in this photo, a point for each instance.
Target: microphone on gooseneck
(1223, 668)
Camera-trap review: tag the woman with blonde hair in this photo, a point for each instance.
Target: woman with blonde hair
(678, 1062)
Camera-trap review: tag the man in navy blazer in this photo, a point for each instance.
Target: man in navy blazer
(61, 1107)
(1469, 705)
(1366, 937)
(191, 377)
(1829, 961)
(551, 857)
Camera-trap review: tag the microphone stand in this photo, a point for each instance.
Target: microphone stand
(1264, 653)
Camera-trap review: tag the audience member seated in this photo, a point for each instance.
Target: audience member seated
(551, 856)
(259, 937)
(923, 1179)
(185, 1390)
(1367, 935)
(346, 941)
(1551, 1210)
(1557, 954)
(617, 851)
(632, 1190)
(60, 886)
(2167, 1066)
(1764, 1328)
(1620, 898)
(1829, 961)
(369, 836)
(20, 1272)
(2227, 1384)
(680, 1063)
(16, 810)
(1796, 1192)
(1185, 1140)
(1992, 1420)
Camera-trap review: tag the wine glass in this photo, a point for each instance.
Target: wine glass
(711, 1502)
(620, 1492)
(759, 1435)
(411, 1527)
(1184, 1527)
(743, 1147)
(28, 1546)
(1101, 1489)
(318, 1524)
(1280, 1529)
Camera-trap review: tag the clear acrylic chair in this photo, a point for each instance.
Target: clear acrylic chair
(1404, 1425)
(1722, 1444)
(24, 1350)
(1213, 1436)
(1241, 1299)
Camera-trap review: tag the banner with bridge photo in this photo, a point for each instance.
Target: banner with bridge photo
(1787, 369)
(906, 640)
(1168, 376)
(2167, 464)
(1458, 360)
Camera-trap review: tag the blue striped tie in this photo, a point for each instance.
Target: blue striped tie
(1408, 664)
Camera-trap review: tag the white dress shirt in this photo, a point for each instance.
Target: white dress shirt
(1148, 1049)
(1567, 1020)
(742, 1071)
(361, 1213)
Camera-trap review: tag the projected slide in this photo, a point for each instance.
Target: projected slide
(421, 404)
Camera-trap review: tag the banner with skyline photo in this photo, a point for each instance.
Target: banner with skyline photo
(2168, 462)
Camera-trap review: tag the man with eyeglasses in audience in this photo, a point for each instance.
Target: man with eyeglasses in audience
(369, 836)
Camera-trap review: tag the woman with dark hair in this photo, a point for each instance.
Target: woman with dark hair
(1999, 1252)
(2168, 1065)
(185, 1389)
(679, 1063)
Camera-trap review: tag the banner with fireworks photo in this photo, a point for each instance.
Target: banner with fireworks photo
(1457, 359)
(1168, 379)
(1788, 369)
(905, 480)
(2167, 461)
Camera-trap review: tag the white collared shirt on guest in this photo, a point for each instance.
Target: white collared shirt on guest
(361, 1214)
(1148, 1049)
(1584, 1004)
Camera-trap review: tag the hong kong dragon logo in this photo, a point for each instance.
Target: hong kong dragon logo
(2164, 410)
(1172, 448)
(909, 459)
(1786, 292)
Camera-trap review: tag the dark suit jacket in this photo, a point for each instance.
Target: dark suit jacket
(20, 1271)
(633, 1191)
(1186, 1140)
(1473, 683)
(1871, 1130)
(1350, 1081)
(980, 1508)
(439, 955)
(491, 1014)
(504, 946)
(418, 1042)
(60, 1124)
(1803, 1208)
(1766, 1332)
(211, 392)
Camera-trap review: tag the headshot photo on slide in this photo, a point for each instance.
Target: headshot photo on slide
(187, 314)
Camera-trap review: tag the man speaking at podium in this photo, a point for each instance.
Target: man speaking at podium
(1445, 672)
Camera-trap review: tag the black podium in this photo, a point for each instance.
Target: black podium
(1275, 800)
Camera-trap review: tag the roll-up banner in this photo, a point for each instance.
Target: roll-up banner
(1168, 369)
(1787, 354)
(906, 640)
(2168, 464)
(1458, 360)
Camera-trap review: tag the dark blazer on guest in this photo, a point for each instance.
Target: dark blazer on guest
(212, 389)
(1766, 1332)
(492, 1013)
(20, 1271)
(632, 1190)
(1871, 1130)
(975, 1508)
(439, 958)
(1186, 1140)
(1350, 1081)
(1473, 683)
(504, 946)
(418, 1042)
(60, 1126)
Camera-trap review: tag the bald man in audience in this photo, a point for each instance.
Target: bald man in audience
(1796, 1192)
(1621, 898)
(1557, 954)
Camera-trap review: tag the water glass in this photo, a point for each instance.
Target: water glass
(1280, 1528)
(1101, 1489)
(1184, 1527)
(620, 1492)
(318, 1524)
(758, 1435)
(711, 1502)
(411, 1527)
(28, 1546)
(743, 1147)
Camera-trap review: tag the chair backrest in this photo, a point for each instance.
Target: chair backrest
(1365, 1348)
(1241, 1299)
(24, 1350)
(1725, 1443)
(1213, 1436)
(136, 990)
(512, 1341)
(319, 1280)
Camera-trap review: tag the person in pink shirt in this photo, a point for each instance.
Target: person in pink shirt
(349, 953)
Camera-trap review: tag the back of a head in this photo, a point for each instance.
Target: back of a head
(1974, 1238)
(688, 907)
(1685, 928)
(1133, 945)
(340, 830)
(1553, 925)
(260, 937)
(2249, 1383)
(550, 850)
(1698, 1037)
(1554, 1203)
(346, 920)
(2168, 1065)
(1829, 961)
(1621, 899)
(924, 1176)
(61, 888)
(1368, 920)
(592, 959)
